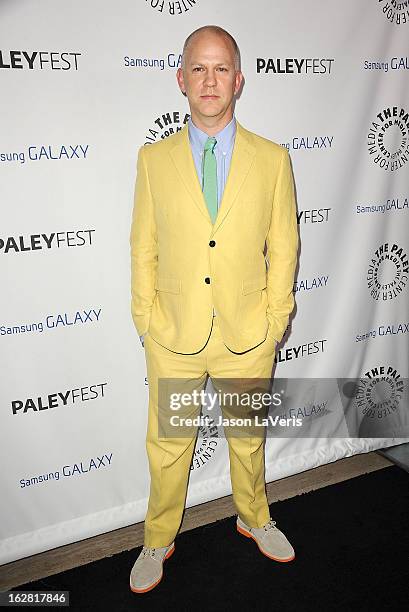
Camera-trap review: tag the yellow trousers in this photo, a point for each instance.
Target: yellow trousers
(170, 457)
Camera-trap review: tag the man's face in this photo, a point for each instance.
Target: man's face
(209, 77)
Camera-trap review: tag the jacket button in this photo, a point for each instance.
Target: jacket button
(212, 243)
(207, 280)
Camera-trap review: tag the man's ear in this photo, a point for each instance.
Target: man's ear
(239, 80)
(180, 80)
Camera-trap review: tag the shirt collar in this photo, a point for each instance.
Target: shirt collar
(225, 138)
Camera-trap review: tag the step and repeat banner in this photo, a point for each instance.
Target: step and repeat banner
(83, 86)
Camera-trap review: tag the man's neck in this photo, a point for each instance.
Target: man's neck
(212, 125)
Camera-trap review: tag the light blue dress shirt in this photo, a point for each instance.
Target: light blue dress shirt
(223, 152)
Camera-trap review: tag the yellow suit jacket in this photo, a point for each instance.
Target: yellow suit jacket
(182, 265)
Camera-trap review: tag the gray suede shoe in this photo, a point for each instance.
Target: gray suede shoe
(270, 540)
(147, 570)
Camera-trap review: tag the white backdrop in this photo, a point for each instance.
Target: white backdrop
(83, 86)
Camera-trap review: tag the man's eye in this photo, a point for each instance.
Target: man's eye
(197, 68)
(222, 69)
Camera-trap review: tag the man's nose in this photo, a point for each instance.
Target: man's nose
(210, 79)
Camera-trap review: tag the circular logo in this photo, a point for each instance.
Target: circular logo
(394, 11)
(378, 398)
(388, 271)
(165, 125)
(206, 444)
(178, 7)
(377, 404)
(387, 141)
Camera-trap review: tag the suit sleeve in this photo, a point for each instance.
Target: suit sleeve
(144, 249)
(282, 247)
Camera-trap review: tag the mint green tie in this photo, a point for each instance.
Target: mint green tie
(209, 173)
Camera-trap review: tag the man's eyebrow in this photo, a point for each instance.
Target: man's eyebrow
(223, 63)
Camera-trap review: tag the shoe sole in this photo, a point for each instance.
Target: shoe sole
(247, 534)
(152, 586)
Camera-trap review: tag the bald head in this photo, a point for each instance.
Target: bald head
(216, 31)
(210, 77)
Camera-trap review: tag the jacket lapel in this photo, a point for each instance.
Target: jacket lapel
(241, 162)
(182, 157)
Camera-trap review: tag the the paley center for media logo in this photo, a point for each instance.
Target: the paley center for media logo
(378, 401)
(207, 443)
(165, 125)
(387, 140)
(388, 271)
(177, 7)
(395, 11)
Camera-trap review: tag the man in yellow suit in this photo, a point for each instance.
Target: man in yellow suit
(213, 253)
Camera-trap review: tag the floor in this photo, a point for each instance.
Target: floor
(398, 454)
(105, 545)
